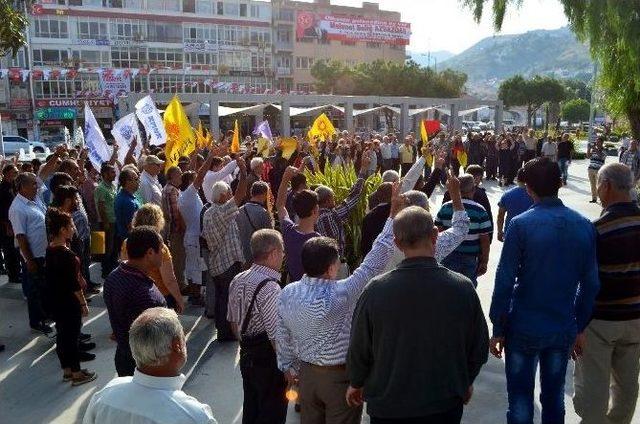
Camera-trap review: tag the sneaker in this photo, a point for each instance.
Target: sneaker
(92, 290)
(84, 337)
(42, 328)
(86, 346)
(86, 356)
(84, 378)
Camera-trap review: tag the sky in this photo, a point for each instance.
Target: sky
(446, 25)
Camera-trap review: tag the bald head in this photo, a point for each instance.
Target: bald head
(413, 229)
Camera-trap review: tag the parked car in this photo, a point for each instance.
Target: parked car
(13, 144)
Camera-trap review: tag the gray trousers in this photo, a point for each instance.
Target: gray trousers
(606, 376)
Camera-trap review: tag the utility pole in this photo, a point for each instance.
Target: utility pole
(29, 57)
(592, 107)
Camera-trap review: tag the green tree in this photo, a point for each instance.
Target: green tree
(532, 93)
(577, 89)
(612, 29)
(576, 110)
(14, 27)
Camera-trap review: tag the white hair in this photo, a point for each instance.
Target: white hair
(324, 193)
(152, 334)
(417, 198)
(618, 175)
(219, 188)
(256, 162)
(390, 176)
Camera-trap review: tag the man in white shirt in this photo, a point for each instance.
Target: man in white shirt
(550, 150)
(153, 395)
(150, 188)
(219, 172)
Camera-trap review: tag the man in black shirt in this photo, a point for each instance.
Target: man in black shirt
(9, 251)
(564, 156)
(399, 356)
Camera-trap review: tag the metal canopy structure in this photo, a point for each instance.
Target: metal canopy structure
(408, 108)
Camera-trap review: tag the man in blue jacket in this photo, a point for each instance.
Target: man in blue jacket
(545, 288)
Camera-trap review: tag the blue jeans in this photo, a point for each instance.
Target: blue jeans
(522, 354)
(462, 263)
(564, 169)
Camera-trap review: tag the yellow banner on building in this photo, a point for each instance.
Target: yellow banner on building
(181, 140)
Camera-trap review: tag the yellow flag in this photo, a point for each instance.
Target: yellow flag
(321, 127)
(425, 144)
(462, 158)
(181, 141)
(288, 145)
(263, 147)
(235, 141)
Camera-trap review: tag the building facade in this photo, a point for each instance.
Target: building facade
(98, 50)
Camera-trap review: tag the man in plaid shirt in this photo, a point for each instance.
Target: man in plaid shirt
(220, 230)
(332, 218)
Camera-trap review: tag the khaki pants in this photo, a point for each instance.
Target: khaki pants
(176, 247)
(322, 396)
(593, 178)
(609, 366)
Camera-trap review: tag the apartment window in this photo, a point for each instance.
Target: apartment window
(128, 29)
(220, 8)
(243, 9)
(189, 6)
(9, 60)
(236, 60)
(231, 9)
(164, 32)
(204, 6)
(165, 57)
(92, 30)
(55, 88)
(46, 57)
(283, 62)
(92, 3)
(128, 58)
(164, 5)
(199, 33)
(227, 35)
(372, 45)
(283, 36)
(255, 11)
(303, 62)
(91, 58)
(287, 15)
(201, 60)
(50, 28)
(133, 4)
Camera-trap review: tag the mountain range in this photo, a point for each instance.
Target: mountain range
(540, 52)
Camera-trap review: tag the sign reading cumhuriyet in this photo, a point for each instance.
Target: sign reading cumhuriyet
(351, 28)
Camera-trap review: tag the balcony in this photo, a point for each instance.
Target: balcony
(283, 71)
(287, 17)
(284, 46)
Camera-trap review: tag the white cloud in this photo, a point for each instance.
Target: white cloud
(447, 25)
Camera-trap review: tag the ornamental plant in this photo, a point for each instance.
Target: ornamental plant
(341, 179)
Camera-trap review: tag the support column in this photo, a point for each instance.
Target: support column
(285, 120)
(454, 119)
(348, 116)
(404, 119)
(497, 117)
(214, 119)
(369, 117)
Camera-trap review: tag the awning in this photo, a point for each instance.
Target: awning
(376, 109)
(444, 111)
(413, 112)
(226, 111)
(299, 111)
(470, 111)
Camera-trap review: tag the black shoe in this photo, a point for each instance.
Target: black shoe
(1, 348)
(84, 337)
(42, 328)
(86, 356)
(85, 347)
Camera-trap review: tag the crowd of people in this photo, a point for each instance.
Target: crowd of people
(245, 238)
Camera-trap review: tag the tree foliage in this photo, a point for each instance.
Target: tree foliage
(612, 29)
(532, 93)
(14, 26)
(382, 78)
(576, 110)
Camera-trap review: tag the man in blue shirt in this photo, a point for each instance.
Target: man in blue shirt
(545, 288)
(126, 204)
(512, 203)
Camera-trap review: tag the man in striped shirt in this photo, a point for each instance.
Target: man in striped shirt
(472, 256)
(314, 326)
(611, 356)
(253, 315)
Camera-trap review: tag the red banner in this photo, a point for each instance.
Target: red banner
(351, 28)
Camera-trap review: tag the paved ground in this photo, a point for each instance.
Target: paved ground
(31, 390)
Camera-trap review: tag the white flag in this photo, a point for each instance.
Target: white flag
(150, 117)
(124, 132)
(99, 150)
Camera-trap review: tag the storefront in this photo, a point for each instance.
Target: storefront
(55, 114)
